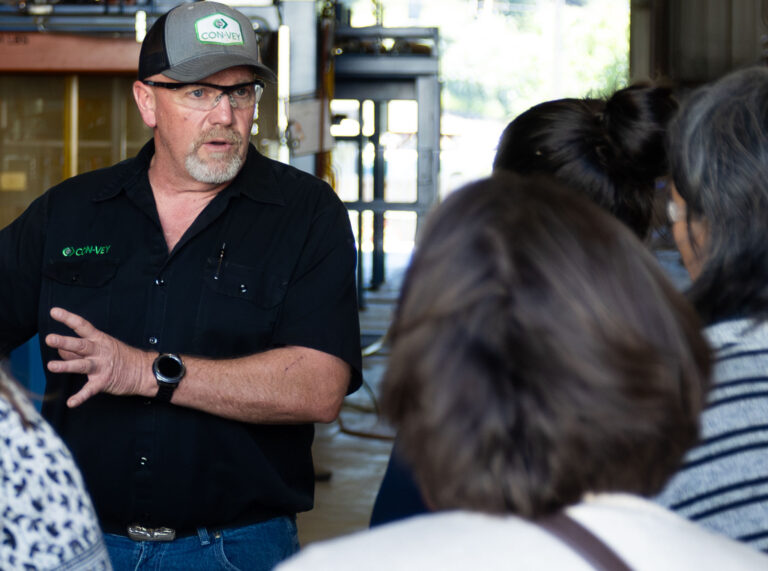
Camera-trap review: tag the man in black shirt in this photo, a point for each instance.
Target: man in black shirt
(197, 312)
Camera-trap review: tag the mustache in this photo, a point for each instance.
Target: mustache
(228, 135)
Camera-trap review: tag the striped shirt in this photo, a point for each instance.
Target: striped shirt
(723, 483)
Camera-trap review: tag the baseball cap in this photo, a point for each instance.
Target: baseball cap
(195, 40)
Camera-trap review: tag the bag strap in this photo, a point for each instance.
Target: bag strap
(583, 541)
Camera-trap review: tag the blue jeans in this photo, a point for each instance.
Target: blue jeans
(255, 547)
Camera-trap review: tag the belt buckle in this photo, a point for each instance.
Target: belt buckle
(141, 533)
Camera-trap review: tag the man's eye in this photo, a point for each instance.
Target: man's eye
(242, 92)
(198, 93)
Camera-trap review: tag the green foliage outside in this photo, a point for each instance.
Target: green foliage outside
(498, 66)
(499, 57)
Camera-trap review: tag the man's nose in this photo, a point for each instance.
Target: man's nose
(223, 108)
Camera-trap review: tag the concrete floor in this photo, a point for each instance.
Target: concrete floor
(355, 449)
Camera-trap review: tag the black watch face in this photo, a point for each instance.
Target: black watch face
(169, 368)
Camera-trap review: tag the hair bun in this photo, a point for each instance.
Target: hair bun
(635, 119)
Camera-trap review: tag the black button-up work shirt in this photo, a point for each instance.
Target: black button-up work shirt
(94, 246)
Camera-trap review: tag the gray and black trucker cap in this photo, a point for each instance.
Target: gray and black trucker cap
(195, 40)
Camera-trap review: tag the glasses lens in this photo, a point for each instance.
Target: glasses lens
(245, 95)
(258, 91)
(204, 98)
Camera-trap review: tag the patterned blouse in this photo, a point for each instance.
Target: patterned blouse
(48, 521)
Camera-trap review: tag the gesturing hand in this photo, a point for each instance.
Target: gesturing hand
(111, 365)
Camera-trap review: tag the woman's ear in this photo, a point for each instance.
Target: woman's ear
(691, 236)
(146, 102)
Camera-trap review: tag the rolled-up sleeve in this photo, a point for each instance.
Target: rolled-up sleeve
(320, 306)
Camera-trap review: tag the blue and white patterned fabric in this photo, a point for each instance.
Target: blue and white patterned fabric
(47, 519)
(723, 483)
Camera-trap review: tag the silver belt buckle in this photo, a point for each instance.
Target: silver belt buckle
(141, 533)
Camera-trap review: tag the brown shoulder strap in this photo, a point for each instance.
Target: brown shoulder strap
(583, 541)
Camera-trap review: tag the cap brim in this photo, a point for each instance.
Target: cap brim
(202, 67)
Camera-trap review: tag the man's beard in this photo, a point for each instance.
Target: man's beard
(220, 167)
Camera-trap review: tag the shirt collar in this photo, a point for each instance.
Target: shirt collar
(256, 180)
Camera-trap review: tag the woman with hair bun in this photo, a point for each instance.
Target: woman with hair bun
(610, 150)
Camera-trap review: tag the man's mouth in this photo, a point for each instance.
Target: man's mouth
(222, 140)
(219, 146)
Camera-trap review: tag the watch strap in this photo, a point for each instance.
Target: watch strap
(165, 392)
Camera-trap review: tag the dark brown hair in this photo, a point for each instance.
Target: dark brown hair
(612, 150)
(538, 353)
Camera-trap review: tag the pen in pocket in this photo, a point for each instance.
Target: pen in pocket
(221, 260)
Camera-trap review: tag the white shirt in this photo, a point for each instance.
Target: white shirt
(642, 533)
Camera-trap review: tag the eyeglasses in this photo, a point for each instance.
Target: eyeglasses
(206, 96)
(675, 212)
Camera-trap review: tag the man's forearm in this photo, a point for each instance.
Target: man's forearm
(286, 385)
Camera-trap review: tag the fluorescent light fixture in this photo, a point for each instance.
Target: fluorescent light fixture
(140, 25)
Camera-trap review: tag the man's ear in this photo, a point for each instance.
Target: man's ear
(145, 101)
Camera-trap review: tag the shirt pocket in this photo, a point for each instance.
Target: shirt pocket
(254, 285)
(83, 287)
(239, 308)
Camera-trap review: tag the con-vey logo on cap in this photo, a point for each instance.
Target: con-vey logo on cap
(219, 29)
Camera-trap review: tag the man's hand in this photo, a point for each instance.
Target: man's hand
(111, 366)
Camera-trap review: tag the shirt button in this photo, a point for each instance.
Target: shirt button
(159, 282)
(243, 288)
(152, 340)
(143, 461)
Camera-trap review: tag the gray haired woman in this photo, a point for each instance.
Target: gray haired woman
(719, 213)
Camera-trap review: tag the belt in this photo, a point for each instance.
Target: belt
(139, 532)
(142, 533)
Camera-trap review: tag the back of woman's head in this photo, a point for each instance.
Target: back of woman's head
(611, 150)
(538, 353)
(718, 149)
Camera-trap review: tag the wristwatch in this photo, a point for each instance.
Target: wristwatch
(169, 370)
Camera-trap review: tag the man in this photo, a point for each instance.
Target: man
(197, 312)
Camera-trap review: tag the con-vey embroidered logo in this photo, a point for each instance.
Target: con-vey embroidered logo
(219, 29)
(70, 251)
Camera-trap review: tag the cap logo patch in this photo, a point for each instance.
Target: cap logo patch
(219, 29)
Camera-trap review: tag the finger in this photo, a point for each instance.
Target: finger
(72, 344)
(76, 323)
(68, 356)
(76, 366)
(81, 396)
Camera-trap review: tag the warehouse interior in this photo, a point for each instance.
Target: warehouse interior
(359, 106)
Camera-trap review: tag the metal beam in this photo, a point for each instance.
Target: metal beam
(35, 52)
